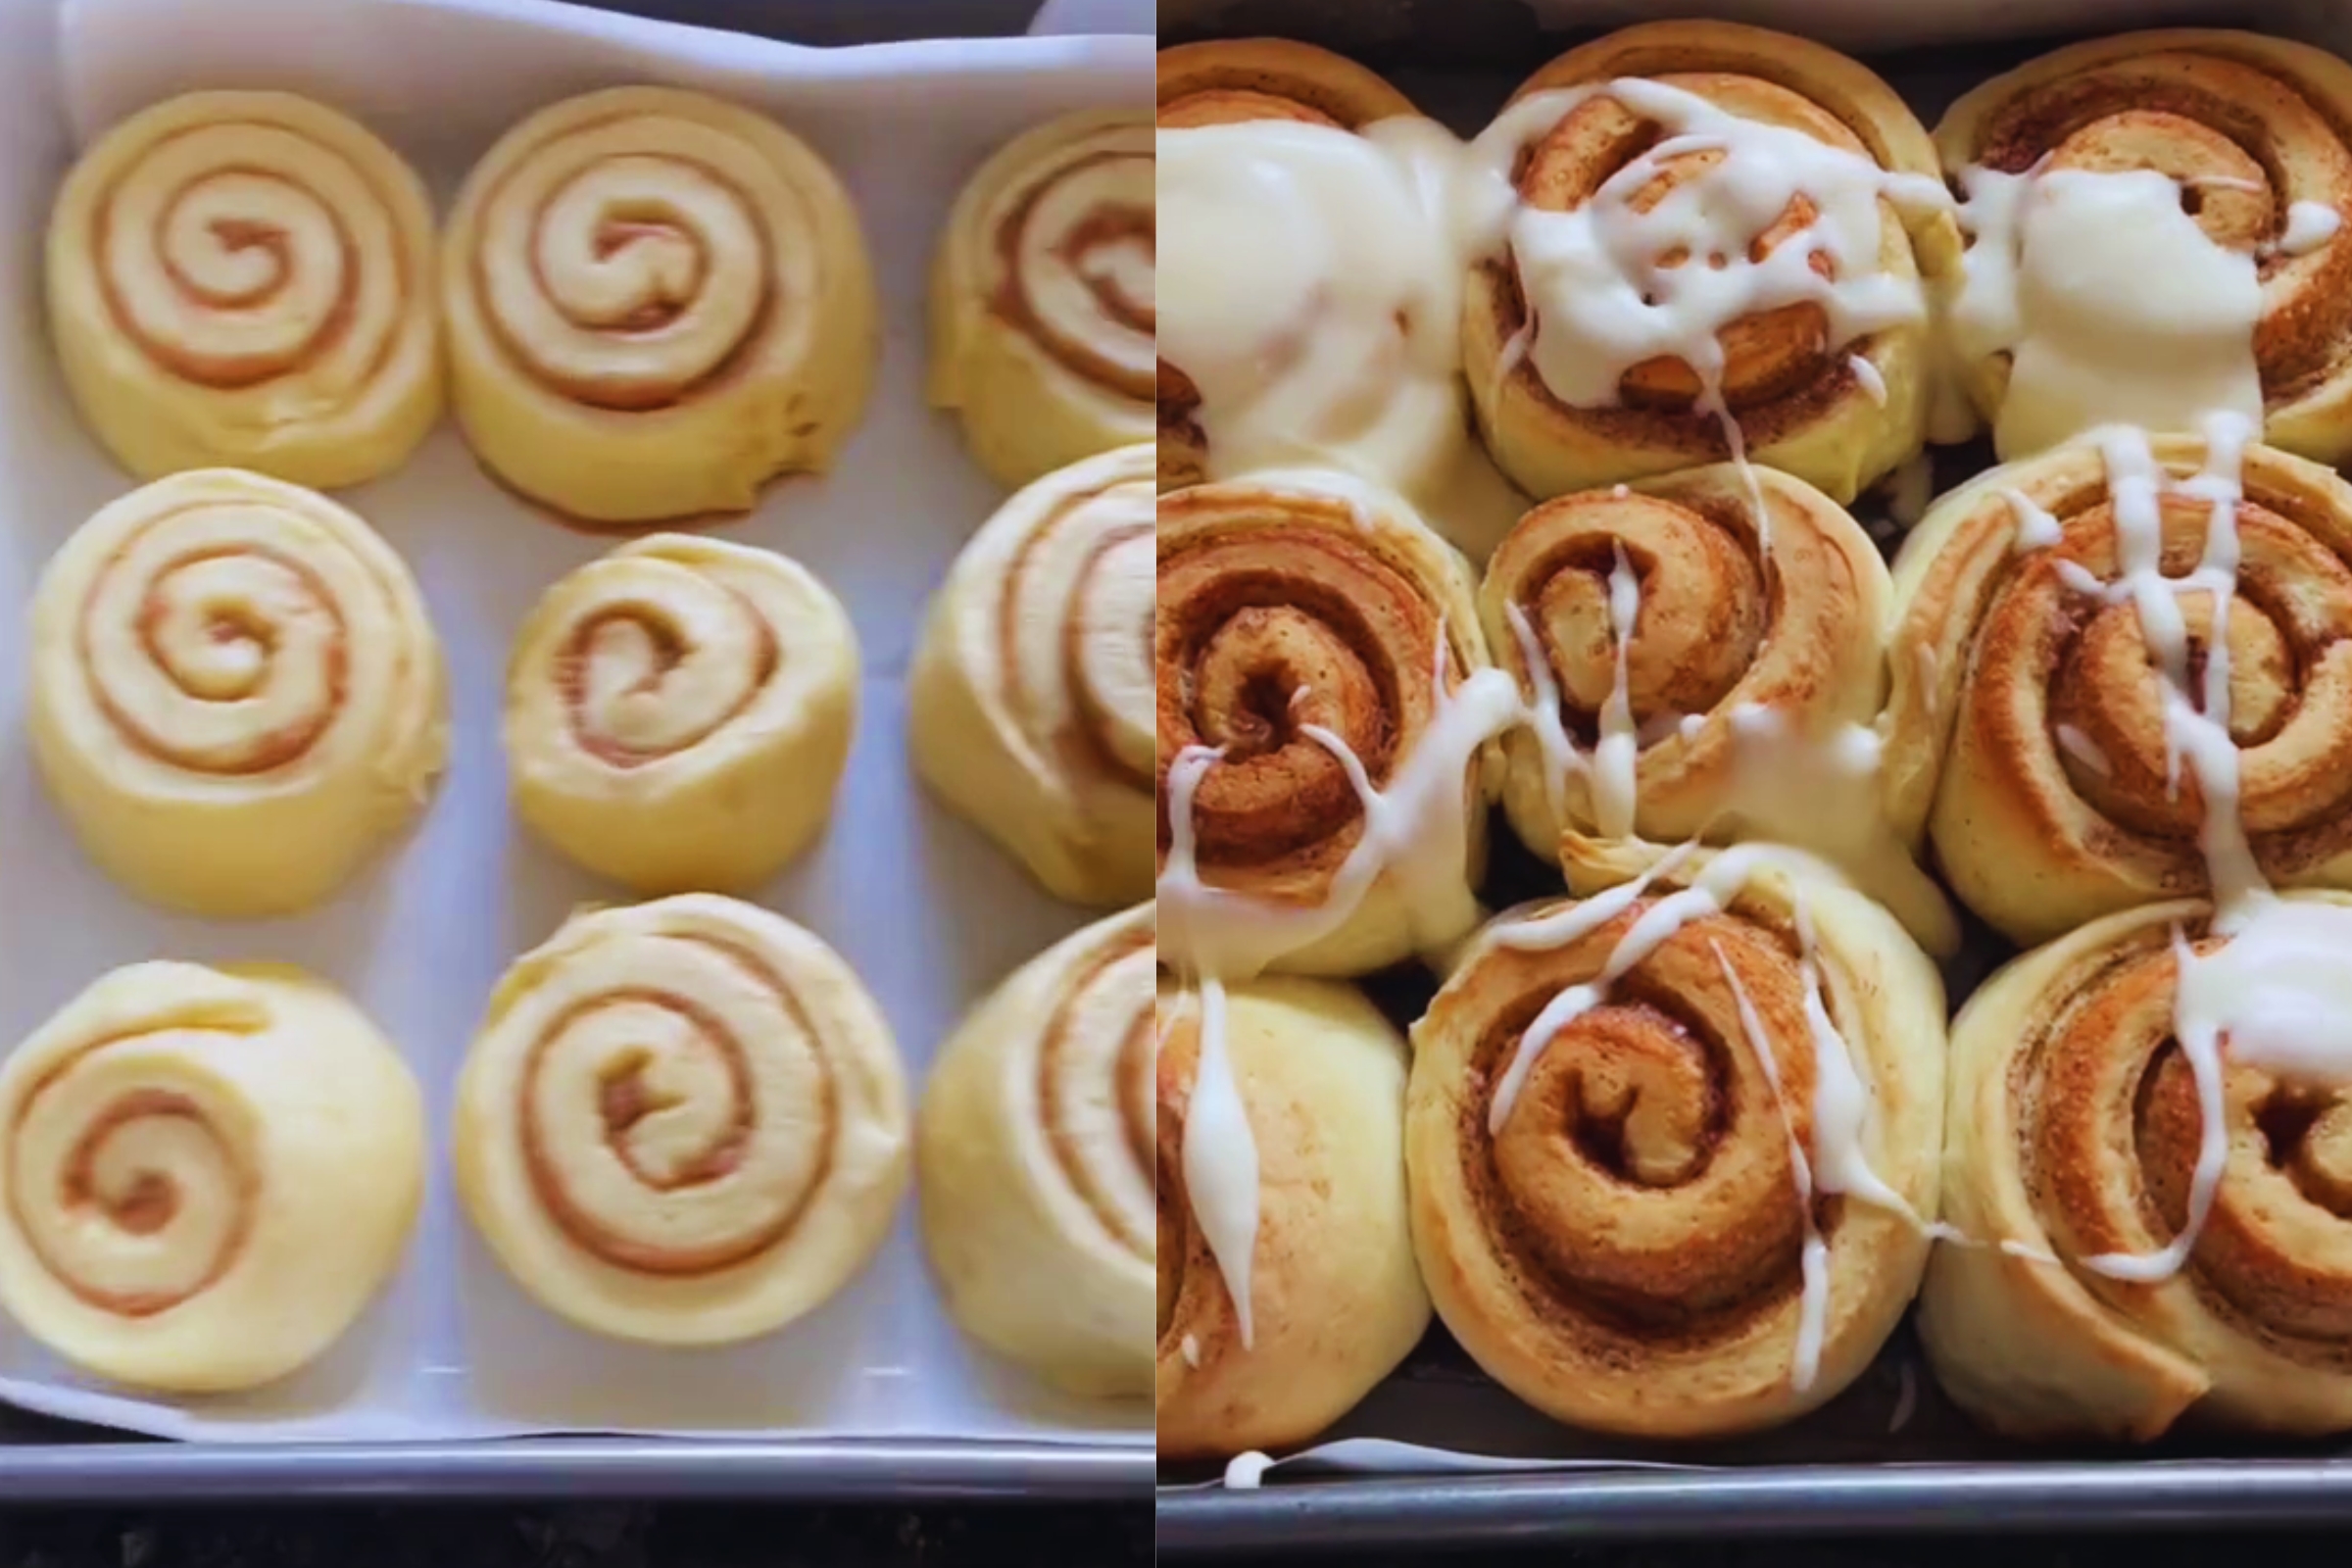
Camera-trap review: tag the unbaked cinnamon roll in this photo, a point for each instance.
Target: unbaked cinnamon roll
(247, 279)
(2105, 1297)
(680, 712)
(1318, 660)
(1287, 1286)
(236, 697)
(2154, 223)
(2030, 726)
(1719, 250)
(1030, 698)
(1672, 1149)
(207, 1174)
(1036, 1159)
(1043, 307)
(658, 301)
(682, 1122)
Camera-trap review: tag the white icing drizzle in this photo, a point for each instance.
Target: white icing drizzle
(1910, 489)
(1343, 351)
(1813, 1266)
(2083, 749)
(2308, 225)
(1247, 1472)
(2037, 529)
(1609, 772)
(1867, 376)
(1603, 302)
(2060, 277)
(1190, 1348)
(1221, 1159)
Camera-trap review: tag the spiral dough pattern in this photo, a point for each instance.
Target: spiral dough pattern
(2024, 724)
(680, 712)
(1036, 1144)
(1625, 1252)
(246, 277)
(683, 1122)
(2075, 1133)
(235, 693)
(189, 1150)
(1044, 309)
(658, 301)
(1033, 695)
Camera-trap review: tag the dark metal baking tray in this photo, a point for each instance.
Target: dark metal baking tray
(1890, 1455)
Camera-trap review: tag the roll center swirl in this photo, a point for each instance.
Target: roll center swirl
(660, 659)
(1081, 267)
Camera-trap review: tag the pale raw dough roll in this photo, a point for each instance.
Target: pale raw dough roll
(1043, 315)
(682, 1122)
(208, 1174)
(1036, 1159)
(235, 694)
(247, 277)
(1032, 696)
(678, 712)
(658, 301)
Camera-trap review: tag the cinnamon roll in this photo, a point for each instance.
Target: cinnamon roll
(246, 279)
(1317, 660)
(680, 712)
(2106, 1296)
(1032, 686)
(1642, 317)
(1035, 1160)
(658, 301)
(1227, 80)
(682, 1122)
(2154, 223)
(208, 1175)
(2030, 725)
(1280, 1111)
(1695, 667)
(1672, 1148)
(1043, 299)
(235, 695)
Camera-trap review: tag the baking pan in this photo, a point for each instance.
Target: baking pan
(1890, 1455)
(914, 1444)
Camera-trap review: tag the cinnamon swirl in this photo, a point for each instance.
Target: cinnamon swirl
(679, 711)
(1036, 1159)
(1043, 310)
(246, 277)
(208, 1174)
(656, 303)
(1640, 317)
(235, 695)
(1032, 691)
(1672, 1148)
(682, 1122)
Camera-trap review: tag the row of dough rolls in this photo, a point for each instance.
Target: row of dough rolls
(1547, 272)
(648, 303)
(681, 1122)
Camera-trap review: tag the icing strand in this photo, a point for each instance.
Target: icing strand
(1221, 1159)
(1615, 753)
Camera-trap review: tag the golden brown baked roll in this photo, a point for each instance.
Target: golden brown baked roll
(682, 1122)
(658, 301)
(1591, 356)
(1227, 80)
(1030, 702)
(1315, 646)
(235, 695)
(679, 711)
(1035, 1160)
(208, 1174)
(2074, 1133)
(2246, 142)
(1042, 297)
(2025, 727)
(1333, 1300)
(246, 279)
(1630, 1149)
